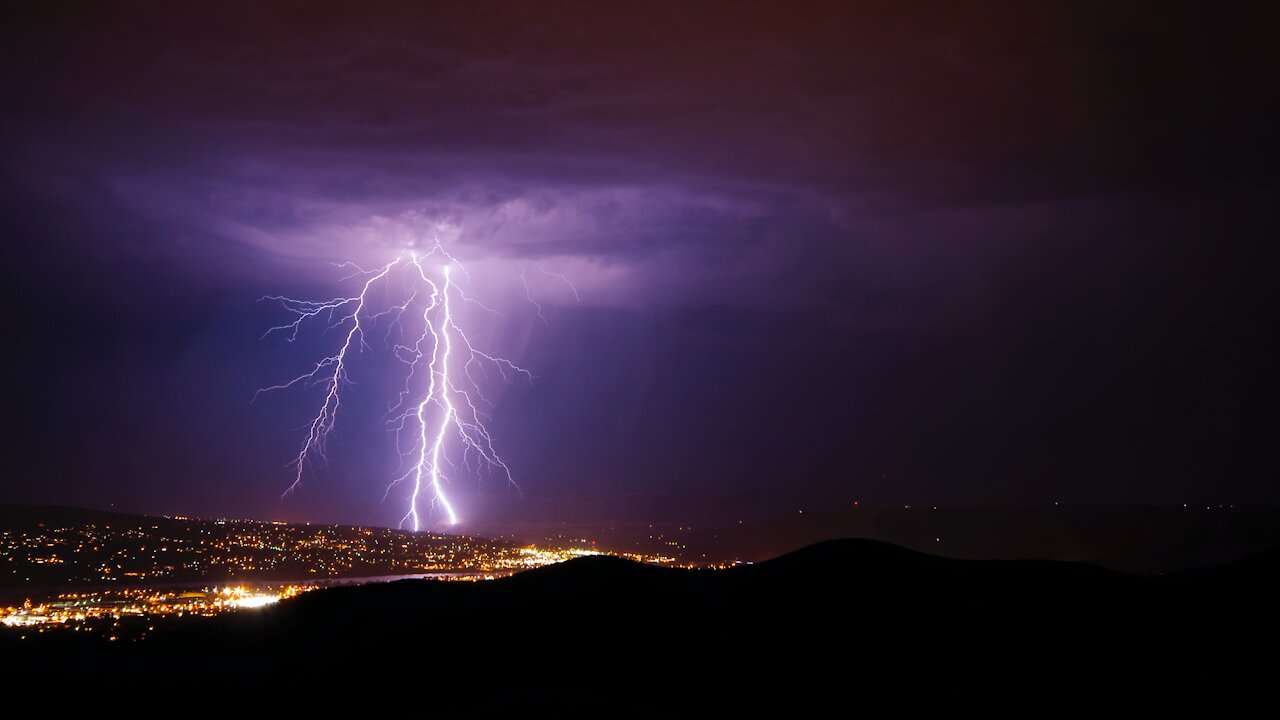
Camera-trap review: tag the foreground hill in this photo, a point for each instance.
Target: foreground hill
(834, 621)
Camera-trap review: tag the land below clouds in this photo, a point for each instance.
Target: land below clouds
(837, 621)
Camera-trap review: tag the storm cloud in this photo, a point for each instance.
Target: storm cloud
(894, 251)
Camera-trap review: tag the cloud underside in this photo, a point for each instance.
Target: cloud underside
(717, 147)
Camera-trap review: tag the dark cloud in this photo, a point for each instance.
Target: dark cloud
(278, 116)
(952, 247)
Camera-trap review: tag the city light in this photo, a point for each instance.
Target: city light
(120, 578)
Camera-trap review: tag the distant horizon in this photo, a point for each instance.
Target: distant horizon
(1136, 539)
(780, 514)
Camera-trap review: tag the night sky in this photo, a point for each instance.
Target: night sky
(900, 253)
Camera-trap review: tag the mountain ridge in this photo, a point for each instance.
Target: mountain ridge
(607, 632)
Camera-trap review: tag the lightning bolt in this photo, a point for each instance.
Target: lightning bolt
(528, 294)
(562, 278)
(444, 418)
(336, 364)
(524, 279)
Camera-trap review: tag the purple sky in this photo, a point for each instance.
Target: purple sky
(903, 254)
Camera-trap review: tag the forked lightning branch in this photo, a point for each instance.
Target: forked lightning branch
(438, 416)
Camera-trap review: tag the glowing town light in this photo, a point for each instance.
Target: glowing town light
(254, 601)
(445, 413)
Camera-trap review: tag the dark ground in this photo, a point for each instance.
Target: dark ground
(846, 622)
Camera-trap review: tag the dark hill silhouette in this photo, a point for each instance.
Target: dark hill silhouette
(1140, 540)
(830, 622)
